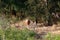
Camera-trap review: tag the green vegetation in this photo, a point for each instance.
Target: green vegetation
(16, 34)
(36, 9)
(43, 11)
(52, 37)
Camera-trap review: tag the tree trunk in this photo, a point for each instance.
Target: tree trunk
(50, 20)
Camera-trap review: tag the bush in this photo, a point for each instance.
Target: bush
(16, 34)
(51, 37)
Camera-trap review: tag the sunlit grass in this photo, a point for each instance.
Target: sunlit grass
(52, 37)
(16, 34)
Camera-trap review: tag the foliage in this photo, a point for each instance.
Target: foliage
(52, 37)
(16, 34)
(35, 8)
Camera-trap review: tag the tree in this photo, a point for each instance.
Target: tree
(10, 5)
(52, 7)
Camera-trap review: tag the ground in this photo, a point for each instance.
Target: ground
(38, 28)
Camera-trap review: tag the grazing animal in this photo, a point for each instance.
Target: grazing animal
(22, 23)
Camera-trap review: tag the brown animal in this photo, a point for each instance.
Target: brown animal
(22, 23)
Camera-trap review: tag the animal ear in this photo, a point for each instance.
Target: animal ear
(28, 22)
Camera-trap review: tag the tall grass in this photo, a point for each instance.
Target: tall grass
(16, 34)
(52, 37)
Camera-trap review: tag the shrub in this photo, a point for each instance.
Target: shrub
(16, 34)
(52, 37)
